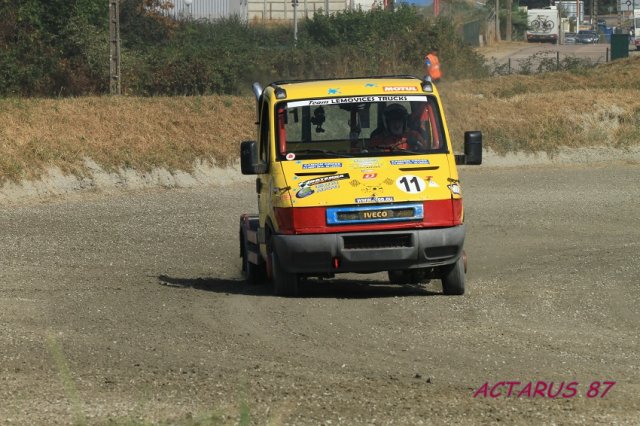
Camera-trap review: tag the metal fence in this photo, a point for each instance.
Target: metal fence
(546, 61)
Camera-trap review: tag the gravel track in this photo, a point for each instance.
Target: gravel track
(128, 307)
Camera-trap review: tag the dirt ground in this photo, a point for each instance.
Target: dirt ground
(519, 51)
(129, 308)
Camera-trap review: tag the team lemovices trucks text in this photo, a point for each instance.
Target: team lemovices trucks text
(354, 175)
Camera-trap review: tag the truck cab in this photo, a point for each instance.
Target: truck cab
(354, 175)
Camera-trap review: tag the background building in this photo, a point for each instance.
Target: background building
(262, 10)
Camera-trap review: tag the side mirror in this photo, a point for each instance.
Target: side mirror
(248, 157)
(472, 149)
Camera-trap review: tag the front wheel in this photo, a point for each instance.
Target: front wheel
(453, 279)
(284, 283)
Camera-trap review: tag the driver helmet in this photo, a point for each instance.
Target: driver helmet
(395, 119)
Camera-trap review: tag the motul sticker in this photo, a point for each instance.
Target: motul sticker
(399, 88)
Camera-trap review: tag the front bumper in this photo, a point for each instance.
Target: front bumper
(365, 252)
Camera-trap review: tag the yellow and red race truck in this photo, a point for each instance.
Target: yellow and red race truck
(354, 175)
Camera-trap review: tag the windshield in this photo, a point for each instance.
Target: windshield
(358, 127)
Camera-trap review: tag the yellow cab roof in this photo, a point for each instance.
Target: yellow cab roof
(388, 85)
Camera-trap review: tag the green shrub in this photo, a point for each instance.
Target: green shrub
(68, 56)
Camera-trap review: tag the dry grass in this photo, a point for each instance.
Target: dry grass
(120, 132)
(600, 107)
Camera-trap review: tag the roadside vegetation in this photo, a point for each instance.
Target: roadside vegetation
(60, 48)
(187, 86)
(584, 107)
(536, 113)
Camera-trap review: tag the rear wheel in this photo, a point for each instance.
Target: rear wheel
(251, 272)
(284, 283)
(453, 279)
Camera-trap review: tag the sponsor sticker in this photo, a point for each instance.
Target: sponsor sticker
(366, 163)
(323, 179)
(327, 186)
(290, 156)
(399, 88)
(304, 192)
(321, 165)
(356, 100)
(369, 200)
(370, 175)
(408, 162)
(372, 189)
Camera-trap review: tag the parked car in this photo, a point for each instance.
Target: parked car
(587, 36)
(569, 38)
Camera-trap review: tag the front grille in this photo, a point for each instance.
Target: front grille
(363, 215)
(355, 214)
(359, 242)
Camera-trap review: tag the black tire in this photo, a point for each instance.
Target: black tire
(410, 276)
(252, 273)
(284, 283)
(453, 279)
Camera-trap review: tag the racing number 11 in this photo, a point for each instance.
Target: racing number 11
(414, 181)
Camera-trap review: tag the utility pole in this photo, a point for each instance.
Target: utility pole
(114, 48)
(497, 20)
(294, 3)
(508, 29)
